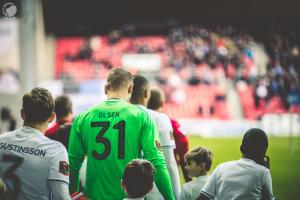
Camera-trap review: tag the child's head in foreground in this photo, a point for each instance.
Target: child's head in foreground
(137, 179)
(198, 161)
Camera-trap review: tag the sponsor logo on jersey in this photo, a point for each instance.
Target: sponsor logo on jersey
(158, 146)
(64, 168)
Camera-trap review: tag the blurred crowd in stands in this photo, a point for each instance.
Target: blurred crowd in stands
(193, 55)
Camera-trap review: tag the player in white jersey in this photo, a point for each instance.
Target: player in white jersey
(141, 96)
(32, 166)
(247, 178)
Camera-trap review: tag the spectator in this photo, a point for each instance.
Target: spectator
(40, 165)
(85, 51)
(125, 130)
(247, 178)
(9, 83)
(137, 179)
(198, 163)
(8, 122)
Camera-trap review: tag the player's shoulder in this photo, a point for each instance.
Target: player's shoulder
(164, 117)
(188, 185)
(163, 120)
(6, 135)
(53, 147)
(227, 165)
(142, 110)
(261, 168)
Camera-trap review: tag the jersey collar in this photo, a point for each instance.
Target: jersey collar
(30, 130)
(247, 160)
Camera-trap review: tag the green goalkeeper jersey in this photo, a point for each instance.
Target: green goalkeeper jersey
(111, 134)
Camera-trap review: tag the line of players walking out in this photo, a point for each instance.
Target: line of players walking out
(121, 148)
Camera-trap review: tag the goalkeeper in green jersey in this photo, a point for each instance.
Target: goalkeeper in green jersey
(110, 135)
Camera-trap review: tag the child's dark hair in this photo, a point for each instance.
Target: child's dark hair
(199, 155)
(138, 178)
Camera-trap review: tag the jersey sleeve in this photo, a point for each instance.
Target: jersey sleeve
(267, 186)
(184, 195)
(166, 132)
(173, 170)
(76, 154)
(60, 191)
(153, 152)
(59, 165)
(210, 187)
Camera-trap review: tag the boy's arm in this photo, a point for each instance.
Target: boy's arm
(76, 155)
(152, 152)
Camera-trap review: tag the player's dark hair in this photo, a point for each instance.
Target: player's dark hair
(118, 78)
(63, 106)
(156, 100)
(255, 144)
(200, 155)
(138, 178)
(140, 84)
(38, 105)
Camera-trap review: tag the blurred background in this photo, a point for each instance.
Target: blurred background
(224, 66)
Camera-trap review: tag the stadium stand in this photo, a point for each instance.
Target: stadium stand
(196, 62)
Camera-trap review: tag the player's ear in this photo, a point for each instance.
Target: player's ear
(130, 87)
(242, 149)
(147, 94)
(52, 117)
(22, 114)
(151, 188)
(203, 165)
(105, 89)
(123, 186)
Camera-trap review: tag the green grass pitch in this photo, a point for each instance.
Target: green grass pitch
(285, 164)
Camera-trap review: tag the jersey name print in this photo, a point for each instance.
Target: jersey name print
(109, 114)
(22, 149)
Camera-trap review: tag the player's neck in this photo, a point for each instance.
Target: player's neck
(42, 127)
(65, 119)
(159, 109)
(118, 95)
(143, 103)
